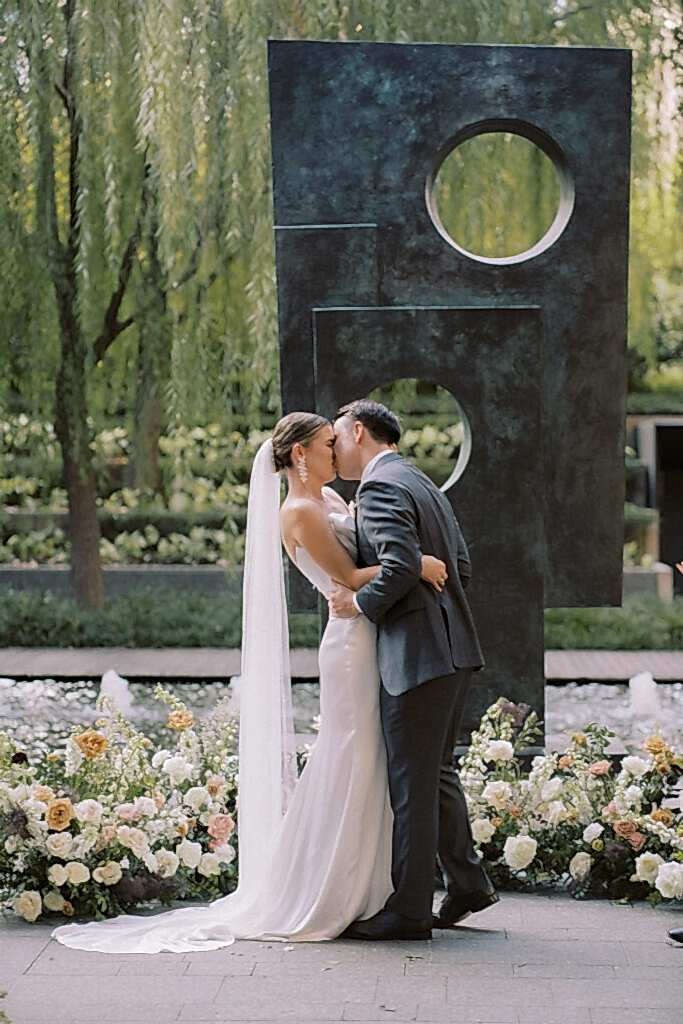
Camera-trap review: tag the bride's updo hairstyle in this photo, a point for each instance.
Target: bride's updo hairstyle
(296, 427)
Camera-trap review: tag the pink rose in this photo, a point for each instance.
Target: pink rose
(127, 812)
(609, 810)
(637, 840)
(221, 827)
(600, 767)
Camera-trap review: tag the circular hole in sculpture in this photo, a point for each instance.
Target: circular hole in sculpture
(436, 433)
(500, 196)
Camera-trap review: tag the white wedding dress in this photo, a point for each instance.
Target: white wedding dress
(331, 859)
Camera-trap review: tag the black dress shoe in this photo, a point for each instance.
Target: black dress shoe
(457, 908)
(388, 925)
(676, 934)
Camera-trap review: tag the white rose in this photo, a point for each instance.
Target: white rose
(77, 872)
(19, 794)
(519, 851)
(497, 793)
(580, 866)
(633, 795)
(89, 811)
(196, 797)
(28, 905)
(189, 853)
(209, 865)
(53, 900)
(482, 830)
(635, 766)
(145, 806)
(150, 861)
(58, 874)
(33, 807)
(160, 757)
(167, 863)
(177, 769)
(592, 832)
(556, 812)
(127, 812)
(669, 880)
(59, 844)
(647, 867)
(12, 844)
(225, 853)
(499, 750)
(134, 839)
(551, 789)
(107, 874)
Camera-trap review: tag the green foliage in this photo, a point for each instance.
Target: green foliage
(161, 617)
(182, 86)
(644, 623)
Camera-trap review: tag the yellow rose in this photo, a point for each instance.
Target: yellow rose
(91, 743)
(664, 815)
(598, 845)
(655, 745)
(180, 720)
(579, 739)
(59, 813)
(54, 756)
(68, 909)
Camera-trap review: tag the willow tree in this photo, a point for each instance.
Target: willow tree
(135, 211)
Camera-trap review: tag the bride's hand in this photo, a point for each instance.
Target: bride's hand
(434, 571)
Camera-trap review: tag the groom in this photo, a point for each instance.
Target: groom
(427, 648)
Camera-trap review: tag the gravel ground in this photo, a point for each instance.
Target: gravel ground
(42, 712)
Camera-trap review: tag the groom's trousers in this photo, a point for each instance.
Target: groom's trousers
(430, 814)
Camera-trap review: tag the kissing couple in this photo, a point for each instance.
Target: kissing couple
(350, 850)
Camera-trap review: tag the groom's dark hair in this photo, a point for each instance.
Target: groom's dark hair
(381, 423)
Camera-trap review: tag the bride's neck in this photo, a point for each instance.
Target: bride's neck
(297, 489)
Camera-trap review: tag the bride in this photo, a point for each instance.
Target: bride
(315, 854)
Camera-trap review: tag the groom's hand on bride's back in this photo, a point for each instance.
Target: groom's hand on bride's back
(341, 602)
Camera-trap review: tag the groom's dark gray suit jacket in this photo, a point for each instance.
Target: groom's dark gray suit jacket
(422, 634)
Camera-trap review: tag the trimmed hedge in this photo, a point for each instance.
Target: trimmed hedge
(165, 618)
(142, 618)
(643, 624)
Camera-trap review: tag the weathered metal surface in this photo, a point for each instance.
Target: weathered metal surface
(358, 133)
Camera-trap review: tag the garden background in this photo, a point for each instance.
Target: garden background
(139, 330)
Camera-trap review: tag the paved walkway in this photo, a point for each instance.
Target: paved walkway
(217, 663)
(529, 960)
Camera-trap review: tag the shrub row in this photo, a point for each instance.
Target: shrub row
(166, 618)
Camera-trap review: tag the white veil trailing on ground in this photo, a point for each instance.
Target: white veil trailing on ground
(267, 769)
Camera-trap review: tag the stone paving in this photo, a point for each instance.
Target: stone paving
(529, 960)
(221, 663)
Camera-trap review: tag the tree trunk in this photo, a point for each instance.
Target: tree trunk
(74, 435)
(145, 470)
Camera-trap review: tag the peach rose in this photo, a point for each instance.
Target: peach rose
(221, 827)
(566, 761)
(91, 743)
(68, 909)
(180, 720)
(59, 813)
(625, 829)
(43, 793)
(600, 767)
(214, 784)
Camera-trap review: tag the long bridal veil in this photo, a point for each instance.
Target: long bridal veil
(267, 756)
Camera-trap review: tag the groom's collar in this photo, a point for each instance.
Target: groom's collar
(373, 462)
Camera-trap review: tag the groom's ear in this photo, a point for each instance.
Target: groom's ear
(358, 431)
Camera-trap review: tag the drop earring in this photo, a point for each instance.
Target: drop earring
(302, 469)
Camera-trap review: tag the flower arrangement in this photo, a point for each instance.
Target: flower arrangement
(574, 817)
(111, 822)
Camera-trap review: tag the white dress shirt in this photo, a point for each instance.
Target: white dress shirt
(371, 463)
